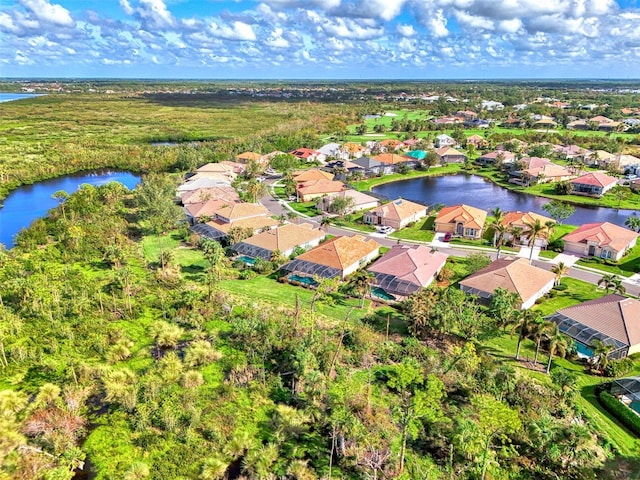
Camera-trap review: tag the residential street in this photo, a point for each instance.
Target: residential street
(278, 207)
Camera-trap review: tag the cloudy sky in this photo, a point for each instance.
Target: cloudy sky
(320, 39)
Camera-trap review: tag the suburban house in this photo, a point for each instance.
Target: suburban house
(313, 174)
(444, 140)
(229, 194)
(520, 221)
(497, 157)
(240, 211)
(361, 201)
(391, 145)
(405, 269)
(333, 150)
(337, 257)
(514, 275)
(228, 170)
(599, 158)
(579, 124)
(461, 220)
(593, 184)
(354, 150)
(248, 157)
(450, 155)
(545, 123)
(391, 159)
(194, 185)
(308, 155)
(252, 216)
(396, 214)
(604, 240)
(208, 208)
(373, 167)
(342, 168)
(605, 124)
(476, 140)
(612, 319)
(571, 152)
(284, 240)
(539, 170)
(312, 189)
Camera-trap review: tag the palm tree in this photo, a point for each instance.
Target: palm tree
(325, 223)
(533, 231)
(600, 354)
(361, 282)
(499, 229)
(560, 270)
(611, 282)
(539, 330)
(523, 325)
(558, 344)
(633, 222)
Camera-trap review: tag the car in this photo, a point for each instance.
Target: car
(292, 198)
(447, 237)
(385, 229)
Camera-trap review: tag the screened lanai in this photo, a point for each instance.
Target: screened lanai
(391, 284)
(207, 231)
(310, 268)
(251, 251)
(629, 387)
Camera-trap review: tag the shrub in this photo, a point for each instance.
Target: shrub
(618, 368)
(247, 274)
(623, 413)
(556, 246)
(560, 288)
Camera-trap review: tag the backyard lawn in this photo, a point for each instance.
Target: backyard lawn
(577, 292)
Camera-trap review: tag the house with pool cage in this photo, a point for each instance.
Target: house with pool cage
(283, 240)
(337, 257)
(627, 390)
(613, 319)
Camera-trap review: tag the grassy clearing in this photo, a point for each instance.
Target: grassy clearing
(421, 231)
(577, 292)
(369, 183)
(504, 348)
(308, 208)
(190, 259)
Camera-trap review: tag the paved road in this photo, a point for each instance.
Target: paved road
(277, 208)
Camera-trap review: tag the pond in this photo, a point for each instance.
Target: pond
(29, 202)
(476, 191)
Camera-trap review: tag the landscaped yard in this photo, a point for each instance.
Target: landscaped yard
(628, 265)
(353, 220)
(368, 184)
(421, 231)
(308, 208)
(577, 292)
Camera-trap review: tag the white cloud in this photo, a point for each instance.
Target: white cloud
(438, 24)
(46, 12)
(351, 29)
(276, 40)
(237, 31)
(406, 30)
(383, 9)
(6, 23)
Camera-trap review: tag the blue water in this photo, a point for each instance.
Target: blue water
(303, 280)
(480, 193)
(29, 202)
(247, 260)
(380, 293)
(8, 97)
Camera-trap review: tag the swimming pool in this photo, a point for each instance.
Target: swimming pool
(247, 260)
(308, 281)
(380, 293)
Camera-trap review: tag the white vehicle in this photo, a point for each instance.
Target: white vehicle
(385, 229)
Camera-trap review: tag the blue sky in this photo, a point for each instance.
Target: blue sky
(320, 39)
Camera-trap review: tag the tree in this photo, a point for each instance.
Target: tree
(600, 356)
(62, 197)
(523, 325)
(621, 193)
(499, 229)
(360, 282)
(324, 288)
(558, 344)
(560, 270)
(430, 159)
(325, 223)
(477, 261)
(633, 222)
(611, 282)
(532, 232)
(341, 205)
(504, 307)
(156, 208)
(558, 210)
(540, 329)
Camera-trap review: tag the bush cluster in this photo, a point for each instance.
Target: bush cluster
(623, 413)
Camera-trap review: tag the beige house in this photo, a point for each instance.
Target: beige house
(450, 155)
(604, 240)
(312, 189)
(540, 170)
(361, 201)
(195, 211)
(284, 239)
(514, 275)
(521, 221)
(313, 174)
(396, 214)
(612, 319)
(337, 257)
(229, 194)
(461, 221)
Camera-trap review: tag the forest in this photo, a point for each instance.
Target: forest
(131, 349)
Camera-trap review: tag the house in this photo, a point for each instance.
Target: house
(461, 220)
(405, 269)
(228, 194)
(467, 114)
(208, 208)
(391, 145)
(373, 167)
(283, 240)
(612, 319)
(450, 155)
(354, 150)
(600, 158)
(545, 123)
(342, 168)
(308, 155)
(492, 105)
(444, 140)
(391, 159)
(605, 124)
(579, 124)
(571, 152)
(476, 140)
(361, 201)
(219, 229)
(337, 257)
(520, 221)
(231, 213)
(603, 239)
(194, 185)
(229, 170)
(332, 150)
(539, 170)
(248, 157)
(396, 214)
(497, 157)
(593, 184)
(312, 189)
(515, 275)
(313, 174)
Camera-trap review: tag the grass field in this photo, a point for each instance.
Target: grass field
(369, 183)
(421, 231)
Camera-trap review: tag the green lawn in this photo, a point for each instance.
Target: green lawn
(190, 259)
(308, 208)
(421, 231)
(548, 254)
(369, 183)
(628, 265)
(504, 348)
(577, 292)
(354, 221)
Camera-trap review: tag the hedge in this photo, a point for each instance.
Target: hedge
(623, 413)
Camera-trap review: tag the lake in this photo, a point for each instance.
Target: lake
(29, 202)
(8, 97)
(476, 191)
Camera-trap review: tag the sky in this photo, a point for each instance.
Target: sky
(320, 39)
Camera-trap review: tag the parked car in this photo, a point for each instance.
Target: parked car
(385, 229)
(447, 237)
